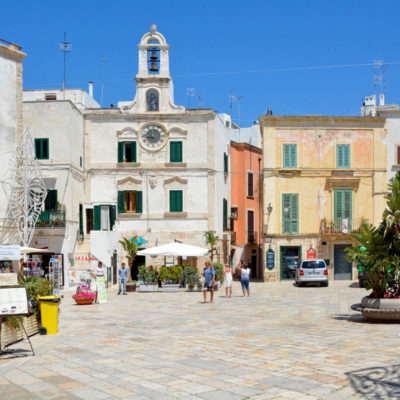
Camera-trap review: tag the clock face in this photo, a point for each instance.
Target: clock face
(153, 136)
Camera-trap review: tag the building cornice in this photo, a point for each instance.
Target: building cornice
(246, 146)
(12, 51)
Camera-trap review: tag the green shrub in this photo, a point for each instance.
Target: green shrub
(171, 275)
(192, 274)
(219, 272)
(147, 275)
(36, 286)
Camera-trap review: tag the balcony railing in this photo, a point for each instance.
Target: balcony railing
(51, 219)
(339, 227)
(251, 237)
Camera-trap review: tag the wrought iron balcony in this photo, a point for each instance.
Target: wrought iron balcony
(339, 227)
(51, 219)
(251, 237)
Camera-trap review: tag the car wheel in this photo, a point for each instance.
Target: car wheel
(324, 284)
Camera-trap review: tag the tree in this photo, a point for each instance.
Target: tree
(131, 246)
(380, 247)
(211, 240)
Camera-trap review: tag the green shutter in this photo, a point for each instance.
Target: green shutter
(290, 214)
(289, 156)
(45, 148)
(175, 150)
(175, 201)
(37, 148)
(96, 214)
(343, 206)
(42, 149)
(343, 156)
(113, 216)
(225, 214)
(121, 201)
(226, 166)
(139, 201)
(133, 151)
(50, 203)
(120, 152)
(80, 219)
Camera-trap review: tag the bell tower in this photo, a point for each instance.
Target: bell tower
(154, 86)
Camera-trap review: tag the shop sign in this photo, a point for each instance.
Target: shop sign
(8, 279)
(8, 252)
(270, 257)
(101, 289)
(311, 253)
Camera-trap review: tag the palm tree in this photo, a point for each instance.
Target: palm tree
(131, 247)
(211, 240)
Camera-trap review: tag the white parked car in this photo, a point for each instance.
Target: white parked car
(312, 271)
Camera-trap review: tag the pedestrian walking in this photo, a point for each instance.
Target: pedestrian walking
(228, 280)
(122, 279)
(245, 278)
(209, 280)
(99, 273)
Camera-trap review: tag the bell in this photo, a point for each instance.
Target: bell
(153, 56)
(154, 67)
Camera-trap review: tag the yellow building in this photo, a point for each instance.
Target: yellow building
(322, 177)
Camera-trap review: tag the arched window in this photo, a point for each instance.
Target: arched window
(152, 102)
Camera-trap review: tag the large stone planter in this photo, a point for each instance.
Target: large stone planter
(379, 309)
(170, 287)
(148, 288)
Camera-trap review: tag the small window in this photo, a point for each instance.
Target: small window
(80, 161)
(226, 163)
(50, 96)
(50, 203)
(225, 222)
(398, 155)
(42, 149)
(290, 214)
(343, 156)
(127, 152)
(130, 201)
(175, 201)
(289, 156)
(250, 184)
(175, 152)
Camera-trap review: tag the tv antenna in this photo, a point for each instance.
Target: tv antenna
(103, 61)
(190, 93)
(65, 47)
(199, 99)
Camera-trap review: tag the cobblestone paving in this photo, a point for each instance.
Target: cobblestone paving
(283, 342)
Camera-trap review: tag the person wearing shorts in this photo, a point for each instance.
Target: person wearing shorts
(228, 280)
(209, 279)
(245, 279)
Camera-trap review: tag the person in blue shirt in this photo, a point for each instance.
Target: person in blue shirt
(122, 279)
(209, 280)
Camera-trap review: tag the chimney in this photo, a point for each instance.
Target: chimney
(91, 88)
(382, 99)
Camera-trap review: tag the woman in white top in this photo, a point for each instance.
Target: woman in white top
(228, 280)
(245, 278)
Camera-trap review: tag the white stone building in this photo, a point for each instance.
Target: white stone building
(147, 167)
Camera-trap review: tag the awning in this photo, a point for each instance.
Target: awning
(174, 249)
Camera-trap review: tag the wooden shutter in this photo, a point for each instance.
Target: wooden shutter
(175, 201)
(343, 156)
(250, 186)
(398, 155)
(290, 213)
(295, 214)
(293, 156)
(343, 205)
(120, 152)
(45, 149)
(97, 222)
(113, 216)
(175, 151)
(226, 162)
(225, 214)
(139, 201)
(37, 148)
(133, 151)
(289, 156)
(121, 201)
(80, 219)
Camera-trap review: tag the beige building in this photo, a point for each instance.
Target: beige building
(322, 177)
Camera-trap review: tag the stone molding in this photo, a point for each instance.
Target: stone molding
(175, 179)
(129, 179)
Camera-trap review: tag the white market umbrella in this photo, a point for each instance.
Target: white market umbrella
(174, 249)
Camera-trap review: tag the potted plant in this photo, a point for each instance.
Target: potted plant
(170, 278)
(379, 256)
(219, 275)
(131, 286)
(131, 246)
(84, 297)
(148, 277)
(192, 277)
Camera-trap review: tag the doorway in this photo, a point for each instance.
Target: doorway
(290, 258)
(137, 262)
(89, 220)
(342, 270)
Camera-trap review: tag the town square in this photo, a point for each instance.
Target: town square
(199, 200)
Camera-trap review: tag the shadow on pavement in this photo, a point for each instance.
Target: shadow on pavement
(376, 382)
(351, 318)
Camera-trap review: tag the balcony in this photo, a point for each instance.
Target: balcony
(251, 237)
(339, 227)
(51, 219)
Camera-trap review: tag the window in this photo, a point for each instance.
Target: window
(50, 96)
(250, 185)
(175, 151)
(42, 149)
(343, 156)
(226, 163)
(289, 156)
(130, 201)
(343, 208)
(290, 214)
(152, 102)
(126, 152)
(250, 227)
(50, 203)
(225, 214)
(175, 201)
(398, 155)
(104, 217)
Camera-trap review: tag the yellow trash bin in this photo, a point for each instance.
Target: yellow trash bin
(49, 313)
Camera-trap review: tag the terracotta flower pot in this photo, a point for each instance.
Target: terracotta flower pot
(84, 301)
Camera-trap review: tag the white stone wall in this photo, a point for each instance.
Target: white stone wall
(393, 140)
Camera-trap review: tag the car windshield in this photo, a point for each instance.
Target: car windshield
(313, 264)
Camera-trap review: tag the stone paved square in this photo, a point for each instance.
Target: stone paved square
(282, 342)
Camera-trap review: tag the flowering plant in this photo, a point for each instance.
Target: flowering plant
(84, 295)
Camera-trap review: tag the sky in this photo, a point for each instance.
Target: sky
(295, 57)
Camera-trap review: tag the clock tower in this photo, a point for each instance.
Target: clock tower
(154, 86)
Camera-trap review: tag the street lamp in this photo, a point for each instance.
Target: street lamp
(269, 209)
